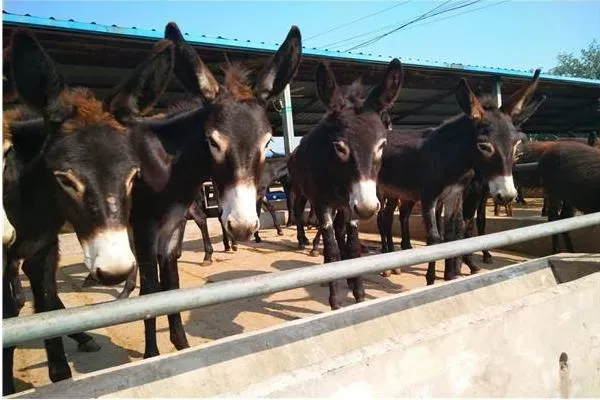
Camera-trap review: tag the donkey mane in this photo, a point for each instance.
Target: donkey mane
(87, 110)
(355, 94)
(17, 114)
(237, 82)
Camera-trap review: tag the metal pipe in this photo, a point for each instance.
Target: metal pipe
(289, 142)
(73, 320)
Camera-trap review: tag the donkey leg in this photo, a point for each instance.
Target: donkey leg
(129, 284)
(271, 209)
(12, 274)
(257, 237)
(41, 271)
(331, 251)
(354, 251)
(145, 237)
(567, 211)
(406, 208)
(9, 310)
(553, 215)
(433, 235)
(481, 222)
(200, 218)
(315, 244)
(169, 280)
(299, 205)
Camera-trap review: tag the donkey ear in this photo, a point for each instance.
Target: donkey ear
(189, 69)
(468, 102)
(9, 92)
(147, 83)
(514, 105)
(280, 70)
(155, 162)
(529, 110)
(384, 95)
(327, 88)
(36, 79)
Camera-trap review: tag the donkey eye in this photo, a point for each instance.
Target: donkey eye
(486, 148)
(135, 173)
(342, 150)
(213, 143)
(70, 183)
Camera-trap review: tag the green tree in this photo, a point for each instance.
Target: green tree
(585, 66)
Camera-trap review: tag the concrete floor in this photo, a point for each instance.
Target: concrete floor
(124, 343)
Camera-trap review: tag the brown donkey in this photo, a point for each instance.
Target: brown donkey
(335, 166)
(570, 174)
(442, 163)
(222, 136)
(75, 163)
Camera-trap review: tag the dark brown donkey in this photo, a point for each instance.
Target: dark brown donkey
(74, 164)
(335, 165)
(570, 174)
(223, 137)
(483, 138)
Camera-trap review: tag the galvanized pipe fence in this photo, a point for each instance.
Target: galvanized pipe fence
(62, 322)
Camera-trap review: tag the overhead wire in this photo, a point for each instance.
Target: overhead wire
(335, 28)
(352, 39)
(422, 17)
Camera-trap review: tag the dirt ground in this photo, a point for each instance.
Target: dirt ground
(125, 343)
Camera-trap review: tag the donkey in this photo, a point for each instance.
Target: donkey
(483, 138)
(222, 136)
(336, 164)
(76, 164)
(570, 174)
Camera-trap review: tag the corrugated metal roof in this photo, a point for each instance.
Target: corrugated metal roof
(225, 43)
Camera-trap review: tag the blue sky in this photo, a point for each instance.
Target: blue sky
(511, 34)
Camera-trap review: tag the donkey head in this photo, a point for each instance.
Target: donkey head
(88, 151)
(495, 134)
(357, 133)
(236, 128)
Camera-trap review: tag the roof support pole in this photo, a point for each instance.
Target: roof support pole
(496, 91)
(289, 141)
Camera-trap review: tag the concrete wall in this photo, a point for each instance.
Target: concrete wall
(498, 333)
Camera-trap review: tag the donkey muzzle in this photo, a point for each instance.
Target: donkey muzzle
(502, 189)
(363, 198)
(108, 256)
(239, 216)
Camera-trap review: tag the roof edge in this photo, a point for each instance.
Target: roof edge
(11, 19)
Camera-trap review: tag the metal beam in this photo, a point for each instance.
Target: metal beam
(61, 322)
(289, 142)
(497, 91)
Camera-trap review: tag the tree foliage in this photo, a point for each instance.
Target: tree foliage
(585, 66)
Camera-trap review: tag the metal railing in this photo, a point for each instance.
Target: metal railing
(62, 322)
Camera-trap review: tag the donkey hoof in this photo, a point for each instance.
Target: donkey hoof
(151, 353)
(89, 281)
(234, 247)
(475, 270)
(301, 246)
(280, 233)
(450, 277)
(397, 271)
(314, 253)
(258, 239)
(386, 273)
(206, 263)
(430, 280)
(59, 374)
(487, 258)
(89, 347)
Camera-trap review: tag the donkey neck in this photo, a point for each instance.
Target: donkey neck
(449, 149)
